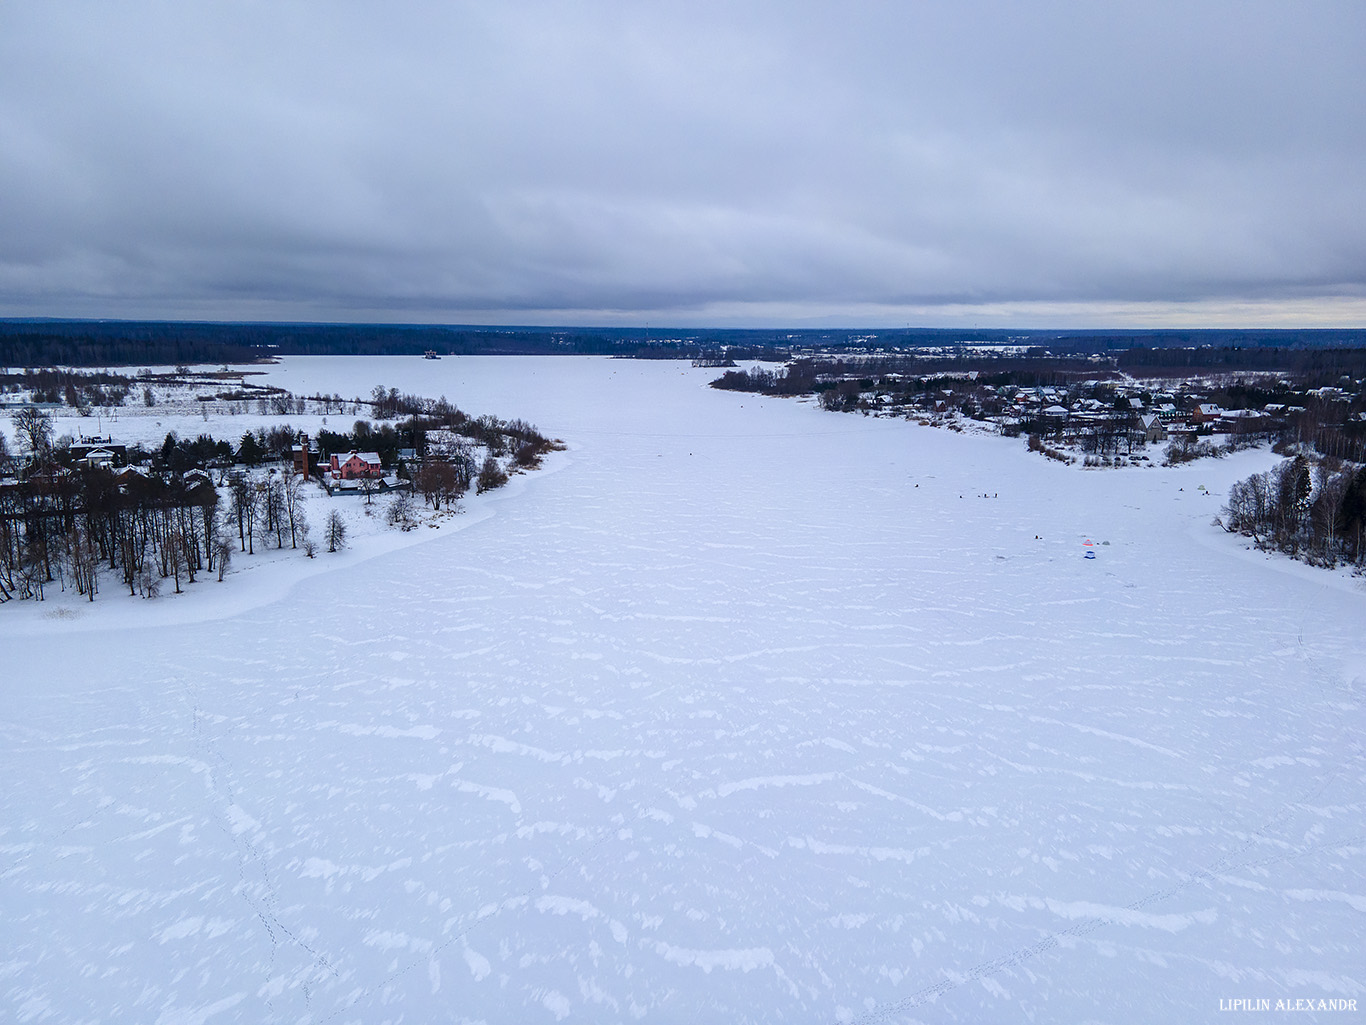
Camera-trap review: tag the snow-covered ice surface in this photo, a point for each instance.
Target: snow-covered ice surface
(748, 713)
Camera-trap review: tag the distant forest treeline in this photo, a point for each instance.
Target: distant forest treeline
(36, 343)
(104, 343)
(1311, 363)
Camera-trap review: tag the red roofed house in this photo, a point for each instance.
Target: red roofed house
(357, 464)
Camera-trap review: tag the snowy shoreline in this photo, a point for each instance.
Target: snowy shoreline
(261, 579)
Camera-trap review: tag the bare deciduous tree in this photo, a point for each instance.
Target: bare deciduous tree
(222, 545)
(294, 509)
(34, 426)
(400, 512)
(368, 486)
(438, 481)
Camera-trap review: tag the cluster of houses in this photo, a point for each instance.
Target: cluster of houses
(93, 452)
(1072, 414)
(1207, 417)
(102, 453)
(1162, 423)
(349, 473)
(352, 473)
(1105, 416)
(99, 452)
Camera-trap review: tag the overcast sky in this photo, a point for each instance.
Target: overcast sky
(792, 163)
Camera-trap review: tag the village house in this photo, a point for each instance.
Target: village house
(1153, 429)
(355, 465)
(100, 452)
(1331, 394)
(199, 487)
(101, 458)
(1244, 420)
(1206, 413)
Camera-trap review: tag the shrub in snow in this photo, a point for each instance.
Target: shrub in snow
(400, 512)
(491, 476)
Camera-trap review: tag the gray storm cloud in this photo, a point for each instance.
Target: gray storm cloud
(691, 163)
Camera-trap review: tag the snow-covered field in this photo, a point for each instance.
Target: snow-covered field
(745, 712)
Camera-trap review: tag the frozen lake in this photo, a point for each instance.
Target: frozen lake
(745, 712)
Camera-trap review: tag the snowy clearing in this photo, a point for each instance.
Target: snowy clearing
(745, 712)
